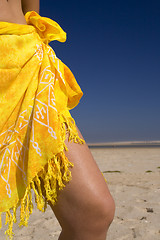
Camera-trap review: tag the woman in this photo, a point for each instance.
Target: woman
(85, 207)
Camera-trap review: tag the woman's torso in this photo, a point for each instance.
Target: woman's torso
(11, 11)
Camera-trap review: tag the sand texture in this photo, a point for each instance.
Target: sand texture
(133, 176)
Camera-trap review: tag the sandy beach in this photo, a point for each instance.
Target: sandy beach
(133, 176)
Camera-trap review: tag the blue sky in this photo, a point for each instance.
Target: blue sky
(113, 50)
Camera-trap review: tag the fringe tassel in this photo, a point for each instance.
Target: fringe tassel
(53, 180)
(26, 207)
(104, 177)
(71, 130)
(9, 220)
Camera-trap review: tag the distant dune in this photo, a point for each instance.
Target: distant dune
(126, 144)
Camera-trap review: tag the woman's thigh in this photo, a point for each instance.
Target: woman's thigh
(86, 193)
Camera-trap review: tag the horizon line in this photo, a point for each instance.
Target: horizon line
(124, 143)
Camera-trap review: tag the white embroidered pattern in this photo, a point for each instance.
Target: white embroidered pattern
(12, 149)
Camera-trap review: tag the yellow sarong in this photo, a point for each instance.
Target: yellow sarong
(37, 90)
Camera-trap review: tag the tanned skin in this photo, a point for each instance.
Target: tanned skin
(14, 10)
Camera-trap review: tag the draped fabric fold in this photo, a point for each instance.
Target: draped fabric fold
(37, 90)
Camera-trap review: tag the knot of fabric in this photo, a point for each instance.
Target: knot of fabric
(47, 29)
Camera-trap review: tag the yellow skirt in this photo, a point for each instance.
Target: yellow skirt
(37, 90)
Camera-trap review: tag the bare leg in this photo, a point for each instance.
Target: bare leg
(85, 207)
